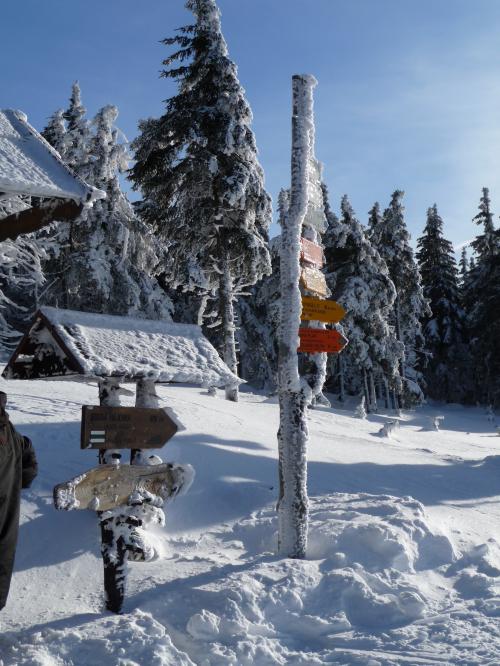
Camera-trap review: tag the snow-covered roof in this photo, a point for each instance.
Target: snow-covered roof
(67, 342)
(29, 165)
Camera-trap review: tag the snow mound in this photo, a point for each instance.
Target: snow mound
(363, 555)
(133, 640)
(376, 532)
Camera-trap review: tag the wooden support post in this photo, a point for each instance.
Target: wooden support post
(145, 396)
(113, 545)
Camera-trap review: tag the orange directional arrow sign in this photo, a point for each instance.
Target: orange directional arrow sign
(318, 340)
(125, 428)
(314, 309)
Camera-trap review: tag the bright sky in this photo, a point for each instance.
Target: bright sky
(408, 93)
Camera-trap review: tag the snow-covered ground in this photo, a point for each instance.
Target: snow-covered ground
(404, 554)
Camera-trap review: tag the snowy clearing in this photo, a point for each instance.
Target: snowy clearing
(403, 561)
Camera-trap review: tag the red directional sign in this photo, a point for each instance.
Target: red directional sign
(319, 340)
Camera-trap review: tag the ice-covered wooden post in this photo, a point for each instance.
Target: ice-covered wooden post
(145, 396)
(293, 398)
(113, 546)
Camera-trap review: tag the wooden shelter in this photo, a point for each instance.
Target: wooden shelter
(29, 166)
(67, 343)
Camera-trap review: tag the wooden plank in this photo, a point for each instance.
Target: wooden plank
(33, 219)
(125, 428)
(318, 340)
(108, 486)
(313, 280)
(311, 252)
(315, 309)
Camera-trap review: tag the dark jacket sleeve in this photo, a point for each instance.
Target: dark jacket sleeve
(30, 465)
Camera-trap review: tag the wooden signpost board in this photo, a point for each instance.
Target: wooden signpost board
(313, 280)
(109, 486)
(125, 428)
(315, 309)
(311, 252)
(318, 340)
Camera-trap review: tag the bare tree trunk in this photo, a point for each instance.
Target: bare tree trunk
(228, 329)
(341, 378)
(399, 336)
(366, 392)
(292, 433)
(387, 397)
(373, 393)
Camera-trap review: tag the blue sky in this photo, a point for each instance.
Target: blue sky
(408, 94)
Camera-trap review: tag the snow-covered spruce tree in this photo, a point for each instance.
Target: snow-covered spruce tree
(463, 266)
(55, 132)
(104, 261)
(21, 279)
(391, 238)
(294, 393)
(77, 136)
(443, 328)
(359, 280)
(198, 171)
(374, 219)
(69, 133)
(112, 254)
(259, 315)
(482, 304)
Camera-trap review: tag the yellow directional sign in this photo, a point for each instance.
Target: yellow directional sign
(314, 309)
(313, 280)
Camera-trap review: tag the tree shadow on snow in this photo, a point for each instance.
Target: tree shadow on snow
(229, 484)
(47, 536)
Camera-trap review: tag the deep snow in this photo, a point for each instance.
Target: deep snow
(403, 561)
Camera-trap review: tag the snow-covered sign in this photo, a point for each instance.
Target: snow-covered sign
(30, 166)
(312, 280)
(311, 252)
(67, 342)
(315, 214)
(109, 486)
(125, 427)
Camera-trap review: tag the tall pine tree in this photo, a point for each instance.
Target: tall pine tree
(197, 168)
(55, 132)
(259, 316)
(391, 238)
(443, 328)
(21, 279)
(359, 280)
(103, 262)
(482, 303)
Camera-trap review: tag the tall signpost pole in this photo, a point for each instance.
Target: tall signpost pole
(293, 398)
